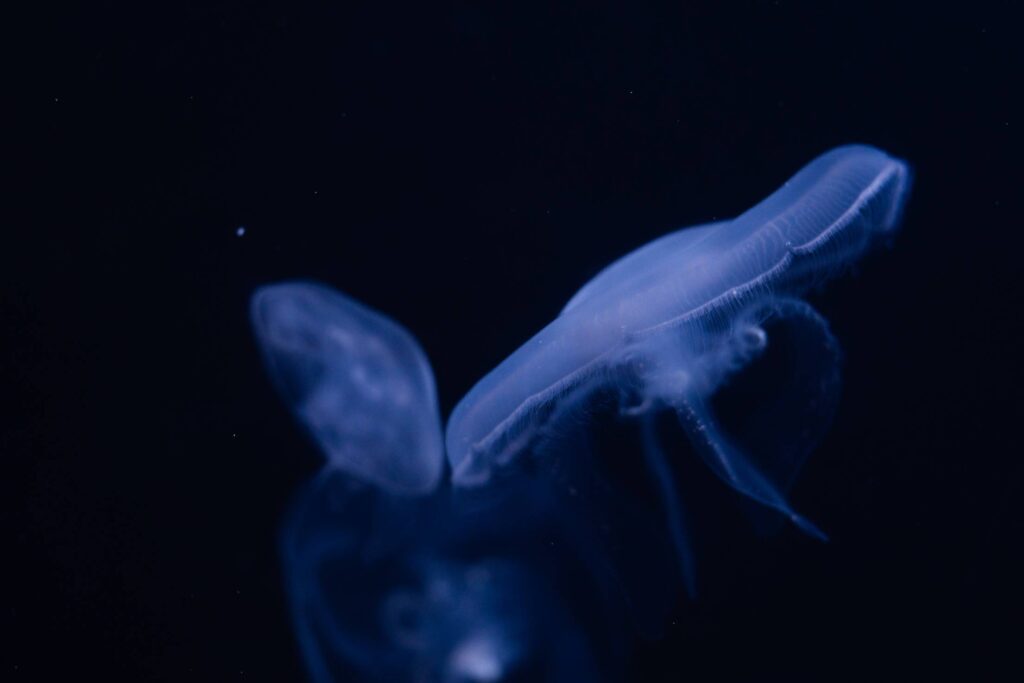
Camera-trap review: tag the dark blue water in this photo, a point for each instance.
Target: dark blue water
(466, 169)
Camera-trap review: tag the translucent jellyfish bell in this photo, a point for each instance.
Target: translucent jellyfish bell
(358, 382)
(670, 324)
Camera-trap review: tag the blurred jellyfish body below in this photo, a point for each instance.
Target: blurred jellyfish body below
(387, 578)
(493, 566)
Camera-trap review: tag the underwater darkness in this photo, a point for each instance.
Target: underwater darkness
(464, 170)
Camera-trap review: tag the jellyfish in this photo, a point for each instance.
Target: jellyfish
(497, 550)
(669, 326)
(388, 576)
(358, 382)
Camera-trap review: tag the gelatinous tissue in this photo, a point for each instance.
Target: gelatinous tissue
(502, 548)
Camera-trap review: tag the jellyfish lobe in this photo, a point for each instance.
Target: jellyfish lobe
(357, 381)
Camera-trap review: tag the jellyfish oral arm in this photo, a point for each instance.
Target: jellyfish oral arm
(661, 472)
(732, 466)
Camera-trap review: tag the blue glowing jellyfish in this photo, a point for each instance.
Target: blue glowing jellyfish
(520, 558)
(668, 326)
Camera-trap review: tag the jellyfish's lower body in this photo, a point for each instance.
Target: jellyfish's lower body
(787, 398)
(675, 515)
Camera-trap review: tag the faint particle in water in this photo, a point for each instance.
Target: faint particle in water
(240, 231)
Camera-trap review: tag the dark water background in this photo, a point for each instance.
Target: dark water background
(464, 169)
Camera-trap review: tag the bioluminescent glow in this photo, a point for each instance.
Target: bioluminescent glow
(525, 560)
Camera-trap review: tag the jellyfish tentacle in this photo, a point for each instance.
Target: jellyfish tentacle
(804, 388)
(675, 515)
(780, 430)
(732, 466)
